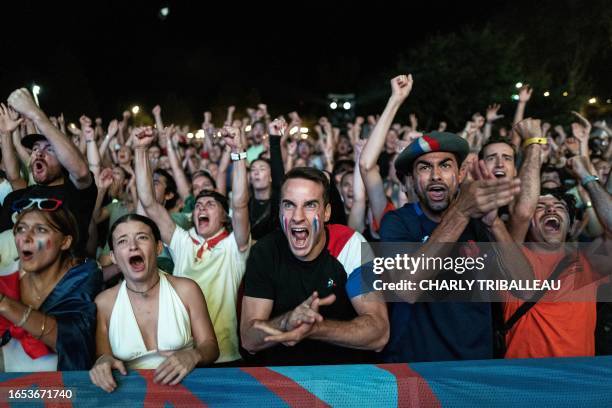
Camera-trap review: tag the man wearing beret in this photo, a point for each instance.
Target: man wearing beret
(452, 207)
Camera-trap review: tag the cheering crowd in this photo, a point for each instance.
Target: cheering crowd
(130, 247)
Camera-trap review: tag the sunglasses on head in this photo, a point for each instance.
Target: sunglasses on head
(43, 204)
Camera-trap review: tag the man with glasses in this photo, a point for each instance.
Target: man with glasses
(57, 166)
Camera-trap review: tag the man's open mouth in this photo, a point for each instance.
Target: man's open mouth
(203, 221)
(299, 236)
(552, 223)
(38, 166)
(26, 255)
(437, 192)
(137, 263)
(499, 173)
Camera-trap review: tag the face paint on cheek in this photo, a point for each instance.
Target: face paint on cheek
(315, 225)
(39, 245)
(284, 224)
(48, 244)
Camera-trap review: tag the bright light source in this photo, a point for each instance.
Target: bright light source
(71, 125)
(518, 85)
(135, 109)
(218, 134)
(304, 130)
(164, 11)
(333, 105)
(200, 134)
(515, 97)
(608, 100)
(593, 100)
(247, 128)
(35, 92)
(565, 93)
(293, 130)
(346, 105)
(303, 136)
(546, 93)
(189, 135)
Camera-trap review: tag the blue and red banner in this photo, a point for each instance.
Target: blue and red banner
(535, 382)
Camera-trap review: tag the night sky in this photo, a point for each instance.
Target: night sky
(102, 58)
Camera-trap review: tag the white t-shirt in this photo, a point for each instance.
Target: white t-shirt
(218, 272)
(5, 189)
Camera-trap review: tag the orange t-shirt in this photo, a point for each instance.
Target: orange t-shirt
(555, 329)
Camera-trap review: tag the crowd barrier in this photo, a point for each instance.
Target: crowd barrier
(517, 383)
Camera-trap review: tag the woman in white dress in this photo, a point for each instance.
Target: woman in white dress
(151, 320)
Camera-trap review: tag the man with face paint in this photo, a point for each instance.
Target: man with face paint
(209, 253)
(302, 304)
(57, 166)
(451, 208)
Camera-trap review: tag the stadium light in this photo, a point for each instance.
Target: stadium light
(593, 100)
(546, 93)
(135, 109)
(515, 97)
(565, 93)
(518, 85)
(333, 105)
(35, 91)
(346, 105)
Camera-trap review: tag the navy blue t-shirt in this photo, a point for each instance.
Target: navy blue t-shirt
(435, 331)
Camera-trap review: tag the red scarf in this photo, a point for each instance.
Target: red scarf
(9, 285)
(210, 243)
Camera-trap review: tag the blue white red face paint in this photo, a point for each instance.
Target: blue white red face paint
(315, 225)
(284, 224)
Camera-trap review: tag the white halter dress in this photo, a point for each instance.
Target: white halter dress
(173, 328)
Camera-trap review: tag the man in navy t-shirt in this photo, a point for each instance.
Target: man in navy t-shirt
(453, 207)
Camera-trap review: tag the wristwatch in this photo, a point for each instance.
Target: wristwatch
(587, 179)
(238, 156)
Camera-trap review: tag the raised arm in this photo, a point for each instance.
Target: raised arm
(182, 184)
(158, 119)
(93, 154)
(8, 124)
(600, 198)
(400, 89)
(524, 96)
(67, 153)
(221, 178)
(356, 218)
(491, 117)
(110, 134)
(240, 190)
(521, 212)
(144, 185)
(276, 130)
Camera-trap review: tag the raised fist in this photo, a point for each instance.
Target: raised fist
(22, 102)
(401, 86)
(528, 128)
